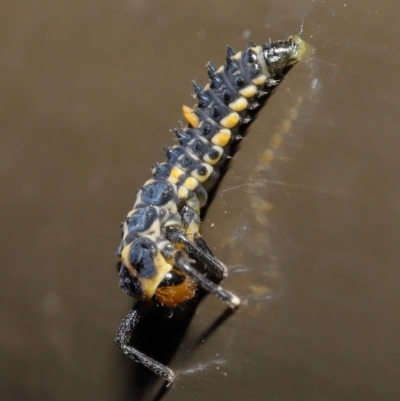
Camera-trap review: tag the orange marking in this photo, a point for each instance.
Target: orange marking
(191, 183)
(190, 116)
(221, 138)
(230, 121)
(174, 175)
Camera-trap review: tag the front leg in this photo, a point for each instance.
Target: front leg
(213, 265)
(194, 243)
(185, 267)
(122, 340)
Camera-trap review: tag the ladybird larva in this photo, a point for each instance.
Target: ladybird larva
(161, 234)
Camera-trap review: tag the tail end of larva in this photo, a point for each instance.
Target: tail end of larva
(303, 49)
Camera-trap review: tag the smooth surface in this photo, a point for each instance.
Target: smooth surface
(88, 91)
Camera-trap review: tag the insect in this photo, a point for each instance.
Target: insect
(161, 234)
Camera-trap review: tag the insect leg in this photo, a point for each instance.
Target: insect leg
(196, 246)
(183, 265)
(122, 340)
(199, 250)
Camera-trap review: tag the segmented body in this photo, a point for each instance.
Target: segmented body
(165, 218)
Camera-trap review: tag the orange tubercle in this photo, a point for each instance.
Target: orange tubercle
(190, 116)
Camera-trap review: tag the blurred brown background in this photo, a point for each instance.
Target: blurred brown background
(88, 91)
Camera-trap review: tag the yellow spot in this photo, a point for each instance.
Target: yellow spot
(230, 121)
(284, 126)
(183, 192)
(190, 116)
(260, 80)
(202, 178)
(191, 183)
(275, 141)
(191, 229)
(125, 255)
(248, 91)
(174, 175)
(194, 203)
(207, 159)
(237, 56)
(267, 156)
(239, 104)
(222, 137)
(220, 69)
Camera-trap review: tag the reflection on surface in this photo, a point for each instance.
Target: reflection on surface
(251, 250)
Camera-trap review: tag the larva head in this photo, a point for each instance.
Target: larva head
(142, 268)
(146, 273)
(282, 54)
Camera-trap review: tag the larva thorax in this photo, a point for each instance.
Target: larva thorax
(171, 200)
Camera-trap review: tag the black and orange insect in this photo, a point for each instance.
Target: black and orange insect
(161, 234)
